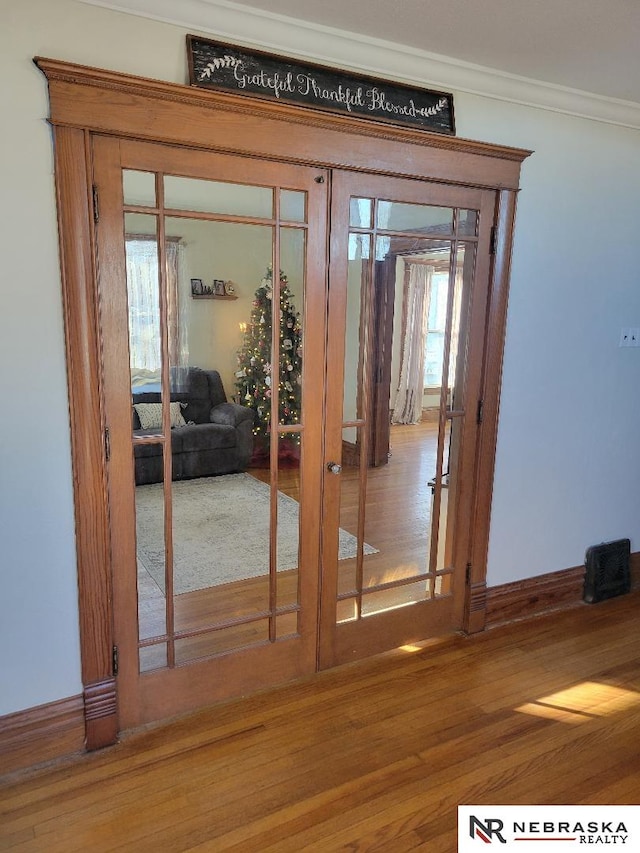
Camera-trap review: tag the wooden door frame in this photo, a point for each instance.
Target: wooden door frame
(85, 100)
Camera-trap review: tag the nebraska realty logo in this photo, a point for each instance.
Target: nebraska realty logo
(548, 828)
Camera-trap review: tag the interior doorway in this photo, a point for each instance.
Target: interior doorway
(339, 217)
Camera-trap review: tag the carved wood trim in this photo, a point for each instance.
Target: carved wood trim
(108, 102)
(101, 713)
(189, 95)
(543, 594)
(44, 733)
(475, 608)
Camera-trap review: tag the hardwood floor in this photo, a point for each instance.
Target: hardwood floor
(371, 756)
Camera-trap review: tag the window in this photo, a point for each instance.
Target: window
(436, 325)
(143, 289)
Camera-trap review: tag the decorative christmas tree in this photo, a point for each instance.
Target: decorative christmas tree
(254, 377)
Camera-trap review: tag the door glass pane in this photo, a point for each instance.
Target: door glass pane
(397, 216)
(288, 528)
(231, 514)
(153, 657)
(286, 625)
(461, 284)
(445, 497)
(223, 640)
(347, 610)
(467, 223)
(139, 188)
(292, 253)
(143, 295)
(358, 288)
(150, 541)
(405, 320)
(217, 197)
(360, 212)
(397, 596)
(293, 205)
(350, 516)
(221, 561)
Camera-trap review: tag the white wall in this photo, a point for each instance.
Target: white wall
(568, 456)
(568, 459)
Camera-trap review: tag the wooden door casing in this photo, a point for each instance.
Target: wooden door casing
(83, 101)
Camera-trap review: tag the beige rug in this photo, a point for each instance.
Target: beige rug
(221, 532)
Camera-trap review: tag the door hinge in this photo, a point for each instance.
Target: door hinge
(468, 573)
(480, 412)
(96, 214)
(492, 241)
(114, 660)
(107, 444)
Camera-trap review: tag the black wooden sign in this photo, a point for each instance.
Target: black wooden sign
(214, 65)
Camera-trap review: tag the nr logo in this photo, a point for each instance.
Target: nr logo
(486, 830)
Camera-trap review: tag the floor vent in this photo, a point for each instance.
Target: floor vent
(607, 570)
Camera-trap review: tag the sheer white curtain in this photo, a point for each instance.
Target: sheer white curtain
(143, 290)
(407, 407)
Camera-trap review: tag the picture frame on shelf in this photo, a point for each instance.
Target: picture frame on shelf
(218, 287)
(197, 287)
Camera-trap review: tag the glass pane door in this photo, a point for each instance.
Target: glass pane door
(219, 276)
(403, 274)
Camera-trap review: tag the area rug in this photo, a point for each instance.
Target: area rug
(221, 531)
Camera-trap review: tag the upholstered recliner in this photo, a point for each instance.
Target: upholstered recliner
(216, 437)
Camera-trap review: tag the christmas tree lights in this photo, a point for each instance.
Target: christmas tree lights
(254, 377)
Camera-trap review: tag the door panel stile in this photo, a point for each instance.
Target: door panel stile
(117, 402)
(470, 487)
(329, 486)
(436, 533)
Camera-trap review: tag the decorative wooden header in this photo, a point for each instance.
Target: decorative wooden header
(105, 101)
(213, 65)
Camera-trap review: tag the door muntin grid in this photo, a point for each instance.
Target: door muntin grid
(395, 251)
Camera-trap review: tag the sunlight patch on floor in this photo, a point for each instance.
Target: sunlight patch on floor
(582, 702)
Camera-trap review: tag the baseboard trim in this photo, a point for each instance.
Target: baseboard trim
(542, 594)
(41, 734)
(57, 730)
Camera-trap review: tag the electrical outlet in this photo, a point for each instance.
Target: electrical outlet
(629, 337)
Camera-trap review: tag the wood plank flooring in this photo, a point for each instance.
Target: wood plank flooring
(371, 756)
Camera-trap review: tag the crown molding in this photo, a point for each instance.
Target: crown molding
(255, 28)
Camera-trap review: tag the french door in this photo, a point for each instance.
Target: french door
(276, 501)
(215, 568)
(408, 297)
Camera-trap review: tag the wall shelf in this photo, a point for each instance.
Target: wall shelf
(213, 296)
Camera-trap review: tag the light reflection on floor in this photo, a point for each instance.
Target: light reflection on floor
(582, 702)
